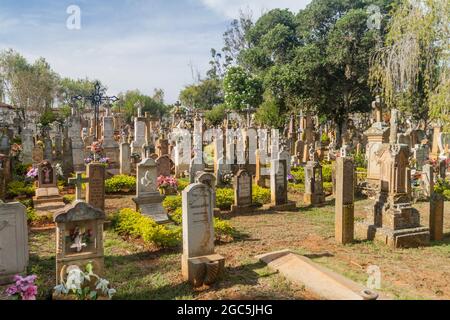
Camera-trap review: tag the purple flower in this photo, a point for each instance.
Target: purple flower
(12, 290)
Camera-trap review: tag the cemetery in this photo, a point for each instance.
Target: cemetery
(294, 182)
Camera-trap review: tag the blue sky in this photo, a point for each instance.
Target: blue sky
(127, 44)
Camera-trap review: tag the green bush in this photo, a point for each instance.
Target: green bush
(223, 229)
(328, 186)
(68, 198)
(182, 184)
(298, 174)
(296, 187)
(20, 170)
(172, 203)
(131, 223)
(261, 195)
(360, 160)
(177, 216)
(20, 188)
(120, 183)
(224, 198)
(327, 173)
(442, 187)
(31, 215)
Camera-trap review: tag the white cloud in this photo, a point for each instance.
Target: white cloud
(231, 8)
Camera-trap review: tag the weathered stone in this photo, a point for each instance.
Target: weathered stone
(95, 190)
(344, 218)
(79, 238)
(198, 236)
(125, 156)
(13, 241)
(148, 200)
(242, 191)
(314, 194)
(164, 165)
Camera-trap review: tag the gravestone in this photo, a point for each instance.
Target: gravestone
(125, 156)
(162, 147)
(74, 132)
(436, 218)
(242, 192)
(344, 207)
(37, 154)
(95, 189)
(421, 153)
(27, 146)
(314, 194)
(79, 238)
(148, 199)
(262, 177)
(67, 157)
(47, 196)
(199, 263)
(164, 165)
(78, 182)
(110, 146)
(278, 182)
(195, 166)
(393, 220)
(58, 146)
(13, 241)
(48, 149)
(139, 135)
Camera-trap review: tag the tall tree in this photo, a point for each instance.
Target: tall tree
(412, 70)
(28, 86)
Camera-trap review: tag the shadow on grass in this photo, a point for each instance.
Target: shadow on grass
(241, 275)
(444, 242)
(327, 203)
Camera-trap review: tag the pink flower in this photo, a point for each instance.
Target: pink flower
(30, 293)
(12, 290)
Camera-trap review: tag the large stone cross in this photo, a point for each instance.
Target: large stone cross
(78, 182)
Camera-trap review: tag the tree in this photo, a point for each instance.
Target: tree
(129, 99)
(204, 95)
(315, 61)
(28, 86)
(68, 88)
(412, 70)
(241, 89)
(216, 115)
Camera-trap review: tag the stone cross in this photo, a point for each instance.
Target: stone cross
(78, 182)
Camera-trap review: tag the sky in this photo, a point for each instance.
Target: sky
(126, 44)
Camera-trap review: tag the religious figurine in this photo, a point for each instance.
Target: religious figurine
(77, 238)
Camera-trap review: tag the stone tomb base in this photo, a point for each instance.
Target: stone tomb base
(243, 209)
(48, 199)
(202, 270)
(403, 238)
(314, 199)
(151, 206)
(289, 206)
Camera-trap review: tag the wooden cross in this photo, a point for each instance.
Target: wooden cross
(78, 182)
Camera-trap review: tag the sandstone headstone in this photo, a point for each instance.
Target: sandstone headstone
(125, 158)
(344, 219)
(27, 146)
(95, 189)
(79, 237)
(164, 165)
(38, 155)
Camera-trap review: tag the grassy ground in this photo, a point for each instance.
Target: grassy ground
(141, 272)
